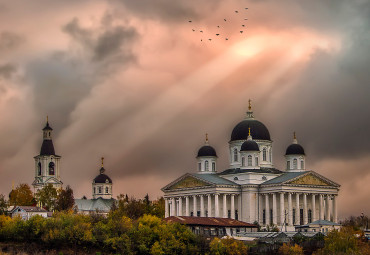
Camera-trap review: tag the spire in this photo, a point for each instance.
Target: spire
(294, 138)
(249, 134)
(102, 170)
(249, 112)
(206, 142)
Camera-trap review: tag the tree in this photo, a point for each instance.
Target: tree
(65, 200)
(228, 246)
(288, 249)
(47, 196)
(3, 204)
(21, 195)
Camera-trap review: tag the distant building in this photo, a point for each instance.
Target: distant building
(252, 189)
(26, 212)
(102, 194)
(47, 163)
(322, 226)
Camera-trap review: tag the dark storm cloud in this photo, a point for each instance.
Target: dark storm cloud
(7, 70)
(63, 78)
(9, 40)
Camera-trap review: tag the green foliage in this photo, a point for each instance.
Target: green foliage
(65, 199)
(47, 196)
(227, 246)
(21, 195)
(289, 249)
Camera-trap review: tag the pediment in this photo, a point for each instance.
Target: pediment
(310, 179)
(188, 182)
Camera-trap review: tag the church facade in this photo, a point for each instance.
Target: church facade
(251, 189)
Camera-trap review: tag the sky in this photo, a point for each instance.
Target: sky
(132, 82)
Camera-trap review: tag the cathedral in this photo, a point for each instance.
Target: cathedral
(252, 189)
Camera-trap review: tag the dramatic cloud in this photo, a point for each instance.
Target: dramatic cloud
(131, 81)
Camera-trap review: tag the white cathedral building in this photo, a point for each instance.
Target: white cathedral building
(252, 190)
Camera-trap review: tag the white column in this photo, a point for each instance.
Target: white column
(202, 206)
(297, 211)
(166, 211)
(313, 208)
(328, 207)
(217, 209)
(267, 209)
(180, 206)
(173, 204)
(195, 206)
(290, 210)
(274, 209)
(282, 212)
(335, 215)
(209, 205)
(305, 216)
(232, 206)
(321, 207)
(260, 209)
(187, 206)
(224, 207)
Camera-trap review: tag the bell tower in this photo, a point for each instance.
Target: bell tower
(47, 163)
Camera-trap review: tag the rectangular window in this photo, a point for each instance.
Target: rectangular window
(271, 216)
(264, 217)
(198, 213)
(288, 165)
(301, 216)
(236, 215)
(229, 214)
(294, 223)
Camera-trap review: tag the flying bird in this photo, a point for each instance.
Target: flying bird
(236, 12)
(245, 19)
(218, 26)
(193, 30)
(246, 8)
(217, 34)
(241, 32)
(224, 19)
(226, 39)
(243, 25)
(210, 39)
(189, 20)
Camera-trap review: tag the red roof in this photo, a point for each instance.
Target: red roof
(209, 221)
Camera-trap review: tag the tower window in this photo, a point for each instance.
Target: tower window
(99, 190)
(264, 156)
(106, 190)
(249, 160)
(288, 165)
(295, 163)
(199, 166)
(302, 164)
(94, 190)
(213, 166)
(51, 168)
(206, 165)
(39, 169)
(243, 163)
(235, 155)
(256, 161)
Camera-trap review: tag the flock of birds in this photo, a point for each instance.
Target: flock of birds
(218, 34)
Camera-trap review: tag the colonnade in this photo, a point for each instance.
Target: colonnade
(203, 205)
(296, 208)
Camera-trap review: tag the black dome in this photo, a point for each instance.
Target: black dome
(47, 148)
(250, 145)
(101, 178)
(207, 151)
(295, 149)
(258, 130)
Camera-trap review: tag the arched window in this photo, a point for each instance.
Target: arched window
(199, 166)
(295, 163)
(213, 166)
(264, 156)
(302, 164)
(99, 190)
(256, 161)
(51, 168)
(94, 190)
(206, 166)
(106, 190)
(39, 169)
(243, 163)
(288, 165)
(235, 154)
(249, 160)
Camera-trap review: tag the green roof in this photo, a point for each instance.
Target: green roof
(285, 177)
(215, 179)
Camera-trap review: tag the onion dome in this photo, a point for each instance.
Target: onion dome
(102, 178)
(250, 145)
(206, 150)
(295, 148)
(259, 130)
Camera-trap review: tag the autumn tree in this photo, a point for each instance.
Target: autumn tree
(47, 196)
(290, 249)
(3, 204)
(65, 200)
(227, 246)
(21, 195)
